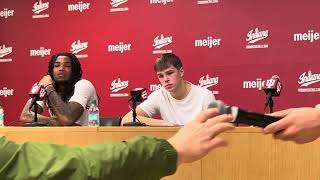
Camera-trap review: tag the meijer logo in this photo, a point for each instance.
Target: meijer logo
(155, 87)
(39, 7)
(120, 47)
(40, 52)
(6, 92)
(6, 13)
(255, 36)
(308, 36)
(258, 84)
(208, 42)
(115, 3)
(80, 6)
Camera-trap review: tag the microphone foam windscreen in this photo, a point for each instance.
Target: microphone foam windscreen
(223, 109)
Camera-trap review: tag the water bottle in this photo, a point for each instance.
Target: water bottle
(93, 117)
(1, 116)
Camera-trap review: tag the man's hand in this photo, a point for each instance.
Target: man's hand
(301, 125)
(46, 80)
(198, 138)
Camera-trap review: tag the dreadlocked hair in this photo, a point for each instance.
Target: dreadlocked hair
(75, 76)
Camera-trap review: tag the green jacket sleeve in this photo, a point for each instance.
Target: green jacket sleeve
(139, 158)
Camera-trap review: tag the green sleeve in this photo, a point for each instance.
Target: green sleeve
(139, 158)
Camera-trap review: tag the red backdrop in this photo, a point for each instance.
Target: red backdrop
(233, 45)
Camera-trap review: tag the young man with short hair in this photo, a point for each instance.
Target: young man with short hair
(177, 102)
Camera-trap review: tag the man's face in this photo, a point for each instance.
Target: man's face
(62, 69)
(170, 78)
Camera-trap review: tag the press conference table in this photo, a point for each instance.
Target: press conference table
(249, 156)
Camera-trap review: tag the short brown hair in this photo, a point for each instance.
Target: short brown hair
(166, 60)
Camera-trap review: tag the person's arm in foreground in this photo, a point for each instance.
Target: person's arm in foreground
(301, 125)
(139, 158)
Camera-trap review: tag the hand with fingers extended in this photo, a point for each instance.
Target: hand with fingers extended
(301, 125)
(198, 138)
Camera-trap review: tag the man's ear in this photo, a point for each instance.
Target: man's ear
(181, 72)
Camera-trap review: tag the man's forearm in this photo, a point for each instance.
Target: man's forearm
(40, 118)
(140, 158)
(67, 113)
(146, 120)
(58, 106)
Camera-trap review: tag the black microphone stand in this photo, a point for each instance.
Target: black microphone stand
(269, 101)
(134, 114)
(35, 117)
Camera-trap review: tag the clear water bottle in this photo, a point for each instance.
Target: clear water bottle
(1, 116)
(93, 114)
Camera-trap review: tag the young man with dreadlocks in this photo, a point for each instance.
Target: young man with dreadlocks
(68, 96)
(177, 101)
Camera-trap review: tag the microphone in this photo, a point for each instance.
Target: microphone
(138, 94)
(273, 86)
(243, 116)
(37, 93)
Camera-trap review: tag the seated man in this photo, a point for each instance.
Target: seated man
(67, 95)
(178, 101)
